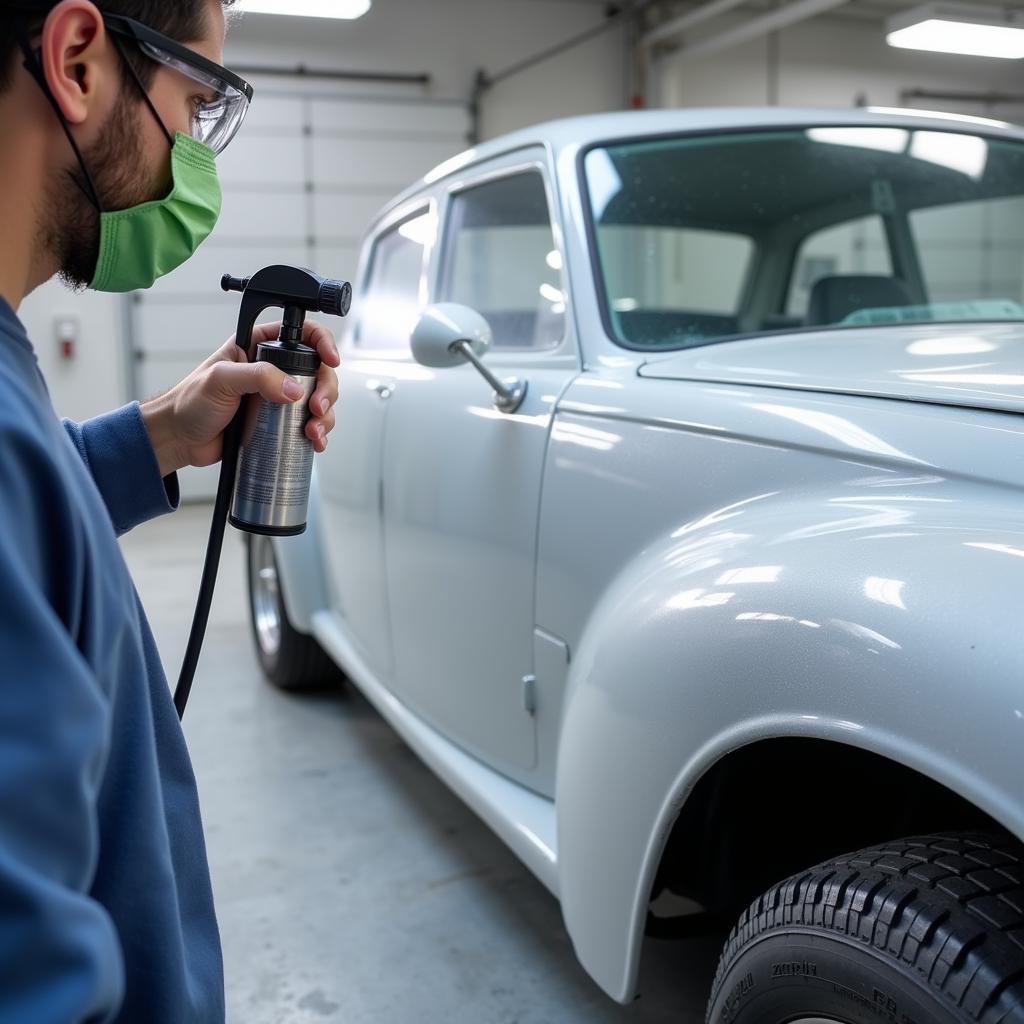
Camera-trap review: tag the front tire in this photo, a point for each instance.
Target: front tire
(290, 660)
(920, 931)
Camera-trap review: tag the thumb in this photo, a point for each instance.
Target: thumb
(232, 380)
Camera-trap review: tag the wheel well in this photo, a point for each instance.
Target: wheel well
(773, 808)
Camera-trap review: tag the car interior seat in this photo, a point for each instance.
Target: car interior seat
(835, 297)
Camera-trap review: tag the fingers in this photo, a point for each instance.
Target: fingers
(324, 398)
(318, 429)
(325, 394)
(232, 380)
(320, 338)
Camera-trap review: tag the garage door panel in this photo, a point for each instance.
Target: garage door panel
(173, 340)
(346, 214)
(248, 214)
(389, 163)
(273, 115)
(337, 116)
(201, 275)
(336, 261)
(252, 159)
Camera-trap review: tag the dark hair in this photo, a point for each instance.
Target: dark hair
(182, 20)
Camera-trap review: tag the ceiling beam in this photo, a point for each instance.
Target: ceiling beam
(790, 14)
(676, 26)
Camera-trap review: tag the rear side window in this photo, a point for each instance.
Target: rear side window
(856, 247)
(395, 291)
(501, 260)
(674, 280)
(972, 250)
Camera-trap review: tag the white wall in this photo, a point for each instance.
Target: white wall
(831, 62)
(96, 379)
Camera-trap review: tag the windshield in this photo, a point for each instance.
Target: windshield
(705, 238)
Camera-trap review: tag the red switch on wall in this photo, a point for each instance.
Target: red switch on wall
(67, 337)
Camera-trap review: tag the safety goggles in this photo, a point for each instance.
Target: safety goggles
(216, 117)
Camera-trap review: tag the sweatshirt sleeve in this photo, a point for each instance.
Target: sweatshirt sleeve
(60, 958)
(117, 451)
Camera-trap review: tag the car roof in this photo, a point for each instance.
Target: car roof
(594, 129)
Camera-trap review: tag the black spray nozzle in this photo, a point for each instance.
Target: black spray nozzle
(296, 291)
(289, 286)
(335, 297)
(234, 284)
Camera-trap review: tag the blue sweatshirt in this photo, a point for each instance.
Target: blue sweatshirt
(106, 910)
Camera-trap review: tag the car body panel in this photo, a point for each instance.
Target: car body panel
(975, 365)
(790, 575)
(351, 496)
(519, 817)
(300, 566)
(461, 485)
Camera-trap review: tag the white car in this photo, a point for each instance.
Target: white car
(676, 522)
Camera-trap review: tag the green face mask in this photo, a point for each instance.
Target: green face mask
(144, 242)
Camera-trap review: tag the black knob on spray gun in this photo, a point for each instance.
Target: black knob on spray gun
(267, 459)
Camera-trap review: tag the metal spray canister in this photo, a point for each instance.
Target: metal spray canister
(275, 461)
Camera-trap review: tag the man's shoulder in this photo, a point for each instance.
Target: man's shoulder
(31, 436)
(23, 397)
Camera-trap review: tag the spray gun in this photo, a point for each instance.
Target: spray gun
(267, 460)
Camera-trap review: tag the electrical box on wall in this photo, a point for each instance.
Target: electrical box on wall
(66, 330)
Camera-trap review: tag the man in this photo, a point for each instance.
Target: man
(110, 117)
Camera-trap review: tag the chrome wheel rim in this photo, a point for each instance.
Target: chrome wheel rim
(266, 602)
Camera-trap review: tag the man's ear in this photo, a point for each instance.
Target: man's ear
(75, 51)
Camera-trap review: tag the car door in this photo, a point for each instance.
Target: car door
(462, 479)
(349, 472)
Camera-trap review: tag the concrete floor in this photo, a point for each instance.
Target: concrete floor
(351, 885)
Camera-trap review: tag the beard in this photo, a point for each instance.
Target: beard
(114, 161)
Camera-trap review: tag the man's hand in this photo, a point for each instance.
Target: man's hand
(186, 425)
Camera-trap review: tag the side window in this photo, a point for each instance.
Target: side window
(674, 269)
(972, 250)
(856, 247)
(394, 294)
(668, 283)
(500, 259)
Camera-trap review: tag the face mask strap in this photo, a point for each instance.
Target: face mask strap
(33, 65)
(138, 81)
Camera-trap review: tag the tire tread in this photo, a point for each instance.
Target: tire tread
(948, 906)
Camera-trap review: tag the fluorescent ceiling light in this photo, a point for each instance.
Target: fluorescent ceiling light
(967, 154)
(958, 28)
(308, 8)
(888, 140)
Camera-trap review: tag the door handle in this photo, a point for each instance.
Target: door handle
(380, 389)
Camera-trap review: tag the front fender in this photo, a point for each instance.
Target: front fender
(887, 627)
(300, 567)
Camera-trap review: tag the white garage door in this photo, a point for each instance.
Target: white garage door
(301, 183)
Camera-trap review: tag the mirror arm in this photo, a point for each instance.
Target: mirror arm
(507, 397)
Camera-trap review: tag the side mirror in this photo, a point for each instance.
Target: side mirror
(449, 335)
(440, 330)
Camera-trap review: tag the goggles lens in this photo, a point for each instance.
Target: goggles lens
(220, 109)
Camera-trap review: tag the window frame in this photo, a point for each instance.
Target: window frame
(507, 165)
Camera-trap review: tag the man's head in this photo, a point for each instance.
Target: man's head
(99, 84)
